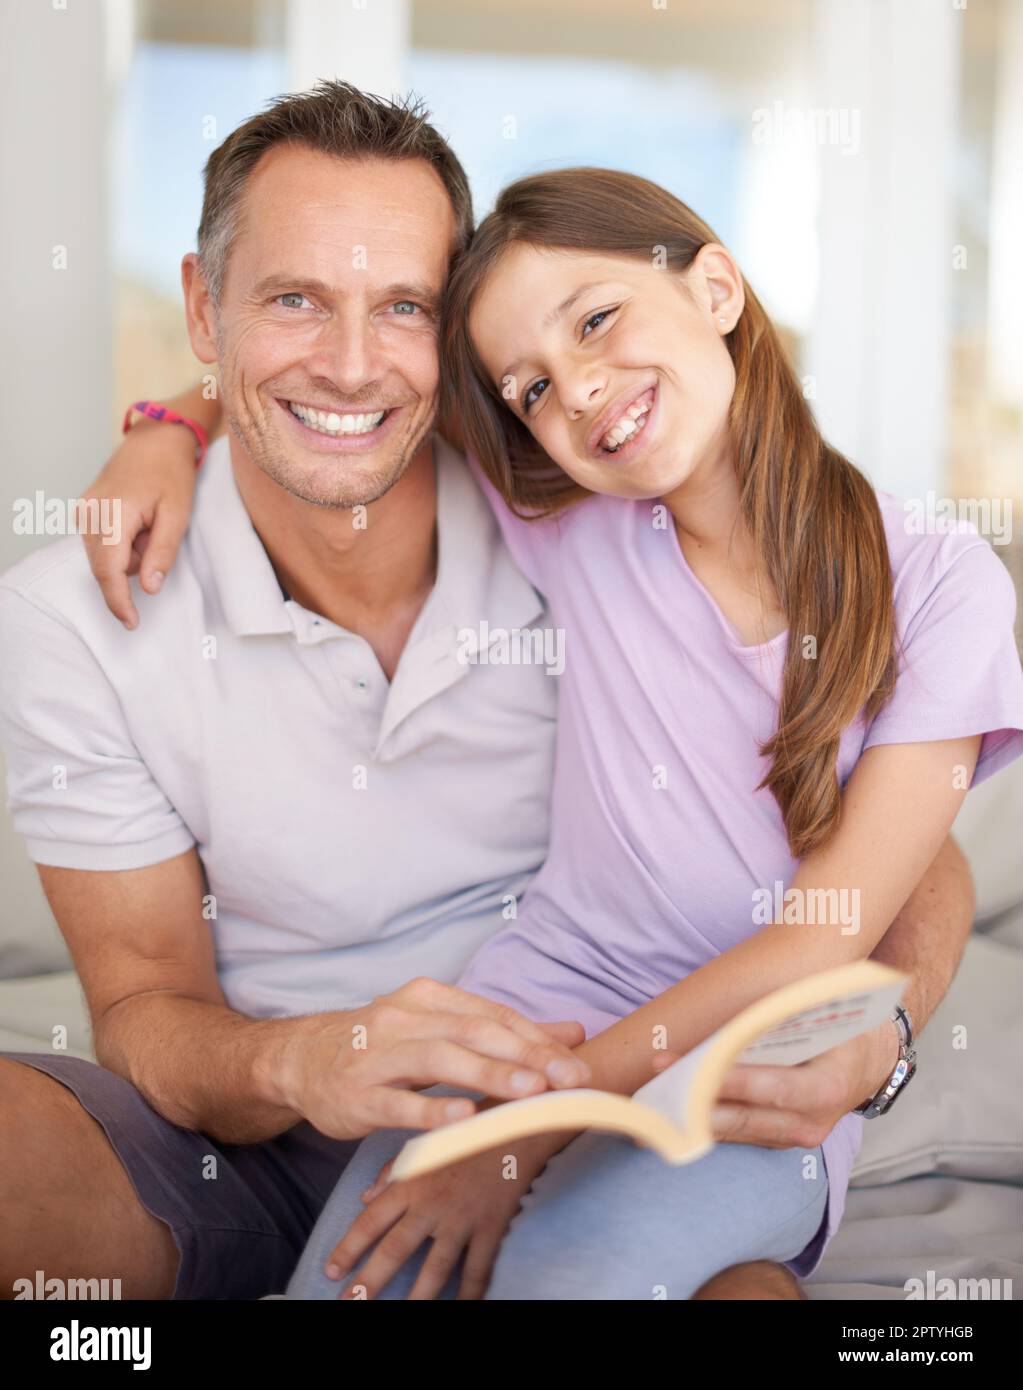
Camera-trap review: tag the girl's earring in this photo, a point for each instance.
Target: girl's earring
(721, 320)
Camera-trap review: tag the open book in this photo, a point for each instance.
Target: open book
(672, 1113)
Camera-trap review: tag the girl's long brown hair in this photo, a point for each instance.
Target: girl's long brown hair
(814, 519)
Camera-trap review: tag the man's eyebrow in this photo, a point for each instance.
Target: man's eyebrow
(429, 298)
(291, 282)
(426, 296)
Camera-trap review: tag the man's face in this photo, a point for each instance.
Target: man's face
(327, 325)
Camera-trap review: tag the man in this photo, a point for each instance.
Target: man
(285, 795)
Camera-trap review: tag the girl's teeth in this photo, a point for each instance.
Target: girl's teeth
(329, 422)
(630, 423)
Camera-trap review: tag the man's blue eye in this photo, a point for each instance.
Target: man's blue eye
(406, 306)
(291, 294)
(528, 398)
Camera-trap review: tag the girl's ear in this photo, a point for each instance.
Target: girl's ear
(717, 281)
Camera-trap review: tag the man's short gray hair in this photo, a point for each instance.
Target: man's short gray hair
(334, 118)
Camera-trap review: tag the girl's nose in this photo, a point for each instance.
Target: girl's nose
(580, 396)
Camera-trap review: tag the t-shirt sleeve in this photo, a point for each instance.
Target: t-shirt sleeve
(80, 795)
(533, 544)
(959, 668)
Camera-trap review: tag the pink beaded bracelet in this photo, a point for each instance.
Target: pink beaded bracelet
(153, 410)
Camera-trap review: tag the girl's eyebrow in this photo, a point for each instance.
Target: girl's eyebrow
(566, 304)
(552, 318)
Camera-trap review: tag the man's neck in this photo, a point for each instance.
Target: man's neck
(370, 572)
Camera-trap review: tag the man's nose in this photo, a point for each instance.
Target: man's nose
(346, 354)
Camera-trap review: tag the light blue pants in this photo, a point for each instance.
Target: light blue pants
(608, 1220)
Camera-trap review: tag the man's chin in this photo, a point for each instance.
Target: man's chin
(333, 477)
(341, 483)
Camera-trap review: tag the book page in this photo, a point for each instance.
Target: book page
(822, 1027)
(796, 1039)
(667, 1091)
(671, 1112)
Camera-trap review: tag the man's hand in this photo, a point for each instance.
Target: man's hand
(791, 1107)
(351, 1073)
(798, 1107)
(151, 477)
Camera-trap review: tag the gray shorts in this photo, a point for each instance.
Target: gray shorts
(241, 1232)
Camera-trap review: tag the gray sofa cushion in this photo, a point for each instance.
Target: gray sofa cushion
(961, 1115)
(31, 1009)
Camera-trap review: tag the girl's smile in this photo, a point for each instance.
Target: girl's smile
(625, 380)
(626, 427)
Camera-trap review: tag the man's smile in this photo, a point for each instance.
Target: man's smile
(330, 422)
(331, 431)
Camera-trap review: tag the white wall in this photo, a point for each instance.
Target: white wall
(360, 41)
(880, 342)
(56, 345)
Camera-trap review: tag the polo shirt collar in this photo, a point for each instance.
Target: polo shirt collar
(246, 581)
(477, 581)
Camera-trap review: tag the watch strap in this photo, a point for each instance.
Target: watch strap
(902, 1073)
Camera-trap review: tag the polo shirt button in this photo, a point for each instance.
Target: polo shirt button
(361, 684)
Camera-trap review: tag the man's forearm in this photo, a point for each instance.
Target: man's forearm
(207, 1068)
(928, 937)
(925, 940)
(201, 1065)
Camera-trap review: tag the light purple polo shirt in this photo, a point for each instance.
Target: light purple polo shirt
(659, 837)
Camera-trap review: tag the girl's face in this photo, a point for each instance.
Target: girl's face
(618, 369)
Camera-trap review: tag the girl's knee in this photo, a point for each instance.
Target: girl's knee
(757, 1279)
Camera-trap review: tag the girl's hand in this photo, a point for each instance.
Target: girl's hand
(151, 479)
(467, 1207)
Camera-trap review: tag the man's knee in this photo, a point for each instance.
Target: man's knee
(69, 1207)
(757, 1279)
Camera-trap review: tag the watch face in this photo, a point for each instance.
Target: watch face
(901, 1077)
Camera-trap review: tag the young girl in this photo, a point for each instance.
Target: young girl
(768, 681)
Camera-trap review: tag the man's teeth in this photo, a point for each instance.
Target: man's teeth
(630, 423)
(327, 422)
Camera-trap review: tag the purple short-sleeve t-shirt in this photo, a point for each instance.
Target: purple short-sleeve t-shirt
(659, 836)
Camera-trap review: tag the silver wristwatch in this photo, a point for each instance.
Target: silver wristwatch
(905, 1070)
